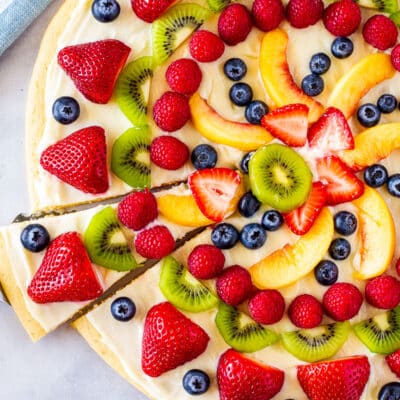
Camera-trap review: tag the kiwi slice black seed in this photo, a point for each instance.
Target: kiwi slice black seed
(387, 6)
(241, 332)
(217, 5)
(381, 334)
(106, 243)
(318, 343)
(174, 27)
(182, 289)
(130, 159)
(279, 177)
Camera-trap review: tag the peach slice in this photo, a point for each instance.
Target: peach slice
(214, 127)
(290, 263)
(277, 78)
(367, 73)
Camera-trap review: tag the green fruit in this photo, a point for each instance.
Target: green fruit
(387, 6)
(106, 244)
(279, 177)
(241, 332)
(130, 159)
(318, 343)
(395, 17)
(217, 5)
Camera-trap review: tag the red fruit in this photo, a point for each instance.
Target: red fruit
(267, 306)
(383, 292)
(305, 311)
(240, 378)
(184, 76)
(171, 111)
(168, 152)
(65, 274)
(342, 301)
(80, 160)
(234, 24)
(342, 18)
(342, 379)
(303, 13)
(206, 261)
(268, 14)
(138, 209)
(341, 183)
(380, 31)
(149, 10)
(94, 67)
(155, 242)
(205, 46)
(393, 360)
(169, 340)
(398, 266)
(288, 123)
(395, 57)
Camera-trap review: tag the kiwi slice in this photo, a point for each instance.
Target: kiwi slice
(133, 89)
(106, 243)
(318, 343)
(381, 334)
(241, 332)
(174, 27)
(217, 5)
(182, 289)
(279, 177)
(395, 17)
(130, 159)
(387, 6)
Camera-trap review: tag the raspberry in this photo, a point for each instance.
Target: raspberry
(234, 24)
(171, 111)
(184, 76)
(383, 292)
(342, 301)
(205, 46)
(268, 14)
(267, 306)
(137, 210)
(206, 261)
(342, 18)
(234, 285)
(395, 56)
(380, 31)
(155, 242)
(303, 13)
(393, 360)
(305, 311)
(168, 152)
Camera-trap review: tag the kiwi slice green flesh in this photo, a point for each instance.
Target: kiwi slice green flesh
(130, 159)
(182, 289)
(174, 27)
(395, 17)
(217, 5)
(387, 6)
(279, 177)
(106, 243)
(241, 332)
(381, 334)
(318, 343)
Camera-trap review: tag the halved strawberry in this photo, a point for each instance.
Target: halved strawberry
(301, 219)
(288, 123)
(393, 360)
(149, 10)
(341, 183)
(216, 191)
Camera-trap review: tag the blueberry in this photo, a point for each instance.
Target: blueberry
(339, 249)
(345, 223)
(255, 110)
(66, 110)
(244, 164)
(248, 205)
(342, 47)
(204, 156)
(105, 10)
(35, 238)
(123, 309)
(312, 85)
(393, 185)
(235, 69)
(390, 391)
(196, 381)
(387, 103)
(376, 175)
(272, 220)
(368, 115)
(319, 63)
(253, 236)
(241, 94)
(326, 272)
(224, 236)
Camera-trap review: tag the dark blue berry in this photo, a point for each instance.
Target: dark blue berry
(196, 381)
(339, 249)
(312, 85)
(253, 236)
(390, 391)
(241, 94)
(66, 110)
(235, 69)
(272, 220)
(35, 238)
(224, 236)
(255, 110)
(248, 205)
(342, 47)
(376, 175)
(387, 103)
(244, 164)
(345, 223)
(319, 63)
(204, 156)
(393, 185)
(105, 10)
(123, 309)
(326, 272)
(368, 115)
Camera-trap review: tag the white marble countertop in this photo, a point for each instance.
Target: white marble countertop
(61, 366)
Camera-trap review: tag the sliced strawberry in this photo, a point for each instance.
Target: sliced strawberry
(288, 123)
(393, 360)
(149, 10)
(342, 185)
(331, 132)
(301, 219)
(216, 191)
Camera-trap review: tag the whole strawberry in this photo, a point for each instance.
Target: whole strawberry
(206, 261)
(267, 306)
(168, 152)
(267, 14)
(149, 10)
(206, 46)
(234, 24)
(305, 311)
(155, 242)
(342, 18)
(380, 31)
(184, 76)
(393, 360)
(303, 13)
(383, 292)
